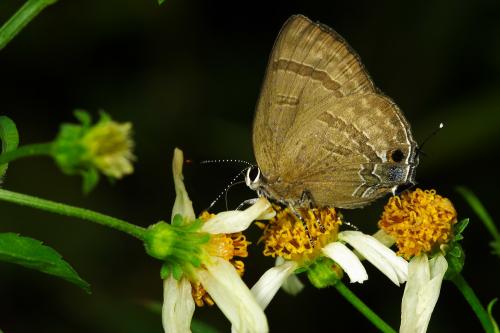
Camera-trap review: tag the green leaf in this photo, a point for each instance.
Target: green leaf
(160, 2)
(9, 137)
(31, 253)
(493, 321)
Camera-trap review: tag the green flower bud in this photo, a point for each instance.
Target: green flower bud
(324, 273)
(179, 245)
(85, 148)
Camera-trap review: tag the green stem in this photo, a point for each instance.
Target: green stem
(21, 18)
(363, 308)
(474, 302)
(24, 151)
(82, 213)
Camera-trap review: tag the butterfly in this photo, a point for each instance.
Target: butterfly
(322, 132)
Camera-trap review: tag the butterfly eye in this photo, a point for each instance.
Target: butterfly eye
(395, 155)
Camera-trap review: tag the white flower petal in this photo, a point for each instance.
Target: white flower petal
(232, 296)
(391, 265)
(271, 281)
(182, 204)
(238, 220)
(384, 238)
(292, 285)
(178, 306)
(421, 292)
(346, 259)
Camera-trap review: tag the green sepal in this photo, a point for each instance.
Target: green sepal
(177, 221)
(83, 116)
(31, 253)
(177, 272)
(9, 137)
(455, 257)
(460, 227)
(195, 261)
(165, 271)
(90, 179)
(322, 273)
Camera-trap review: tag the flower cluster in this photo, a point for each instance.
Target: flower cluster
(202, 256)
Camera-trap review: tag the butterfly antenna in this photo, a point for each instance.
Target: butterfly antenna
(226, 189)
(419, 149)
(227, 161)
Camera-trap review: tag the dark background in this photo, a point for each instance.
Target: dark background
(188, 74)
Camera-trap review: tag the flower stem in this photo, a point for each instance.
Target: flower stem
(67, 210)
(21, 18)
(473, 301)
(363, 308)
(24, 151)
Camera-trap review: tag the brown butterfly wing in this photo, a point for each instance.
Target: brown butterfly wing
(309, 63)
(350, 165)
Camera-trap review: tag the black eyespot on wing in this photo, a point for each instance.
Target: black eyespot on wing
(396, 155)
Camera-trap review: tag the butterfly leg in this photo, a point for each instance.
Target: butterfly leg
(307, 199)
(306, 228)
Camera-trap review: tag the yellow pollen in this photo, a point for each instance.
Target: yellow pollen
(200, 295)
(419, 221)
(226, 246)
(286, 236)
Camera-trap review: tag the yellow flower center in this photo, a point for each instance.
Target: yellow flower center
(227, 247)
(286, 235)
(419, 221)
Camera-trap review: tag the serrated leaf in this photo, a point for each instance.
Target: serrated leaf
(9, 137)
(31, 253)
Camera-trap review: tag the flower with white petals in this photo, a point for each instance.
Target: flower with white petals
(303, 244)
(421, 292)
(199, 261)
(421, 223)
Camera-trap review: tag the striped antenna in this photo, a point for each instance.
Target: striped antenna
(227, 188)
(227, 161)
